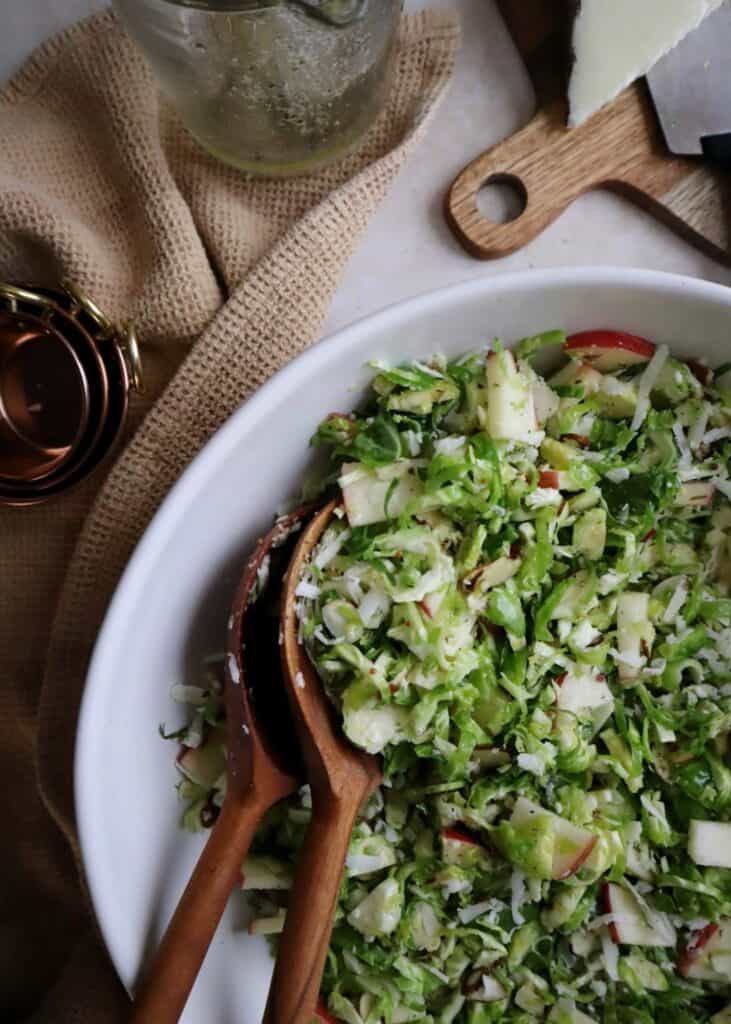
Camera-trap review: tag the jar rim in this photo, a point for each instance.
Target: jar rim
(334, 12)
(222, 6)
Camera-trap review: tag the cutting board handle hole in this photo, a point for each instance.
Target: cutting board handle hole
(501, 198)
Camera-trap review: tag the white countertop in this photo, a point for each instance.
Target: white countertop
(408, 248)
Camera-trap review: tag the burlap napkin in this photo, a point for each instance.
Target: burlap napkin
(99, 183)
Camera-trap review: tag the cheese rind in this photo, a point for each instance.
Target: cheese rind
(615, 43)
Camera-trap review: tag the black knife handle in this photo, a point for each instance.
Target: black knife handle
(717, 149)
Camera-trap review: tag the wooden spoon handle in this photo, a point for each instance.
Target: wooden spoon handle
(304, 942)
(166, 986)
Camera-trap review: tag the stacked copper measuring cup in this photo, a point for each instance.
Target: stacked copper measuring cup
(66, 373)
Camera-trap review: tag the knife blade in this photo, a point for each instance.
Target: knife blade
(691, 89)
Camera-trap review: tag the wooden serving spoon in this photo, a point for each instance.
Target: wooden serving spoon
(263, 767)
(341, 778)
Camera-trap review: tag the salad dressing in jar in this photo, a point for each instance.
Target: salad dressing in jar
(274, 87)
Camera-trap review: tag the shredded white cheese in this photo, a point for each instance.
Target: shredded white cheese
(599, 988)
(413, 441)
(329, 551)
(517, 895)
(321, 636)
(647, 383)
(429, 370)
(531, 763)
(609, 581)
(233, 670)
(455, 885)
(307, 589)
(449, 445)
(584, 634)
(475, 910)
(699, 426)
(374, 607)
(542, 497)
(618, 475)
(724, 486)
(611, 955)
(630, 660)
(717, 434)
(676, 602)
(682, 443)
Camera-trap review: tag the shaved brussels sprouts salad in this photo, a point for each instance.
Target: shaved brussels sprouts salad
(523, 606)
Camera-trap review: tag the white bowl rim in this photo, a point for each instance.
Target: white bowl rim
(216, 450)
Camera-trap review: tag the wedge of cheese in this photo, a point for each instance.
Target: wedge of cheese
(617, 41)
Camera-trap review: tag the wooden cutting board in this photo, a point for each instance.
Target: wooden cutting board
(620, 148)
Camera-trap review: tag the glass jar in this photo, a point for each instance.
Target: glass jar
(275, 87)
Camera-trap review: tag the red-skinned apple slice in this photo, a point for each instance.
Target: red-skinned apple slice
(511, 414)
(431, 604)
(491, 574)
(639, 862)
(545, 401)
(608, 350)
(707, 957)
(459, 847)
(324, 1015)
(458, 835)
(572, 847)
(630, 925)
(486, 990)
(582, 692)
(367, 492)
(204, 765)
(259, 872)
(709, 843)
(696, 494)
(572, 844)
(273, 925)
(578, 373)
(693, 952)
(548, 478)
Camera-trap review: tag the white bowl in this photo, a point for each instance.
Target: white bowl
(172, 604)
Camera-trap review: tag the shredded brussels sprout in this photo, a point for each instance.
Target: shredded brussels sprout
(523, 605)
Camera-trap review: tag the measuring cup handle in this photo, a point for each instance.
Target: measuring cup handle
(304, 942)
(165, 987)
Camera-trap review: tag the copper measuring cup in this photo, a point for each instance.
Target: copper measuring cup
(41, 423)
(66, 372)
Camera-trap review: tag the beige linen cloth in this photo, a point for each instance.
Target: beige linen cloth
(100, 183)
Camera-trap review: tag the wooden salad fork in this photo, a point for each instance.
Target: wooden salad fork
(341, 778)
(263, 767)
